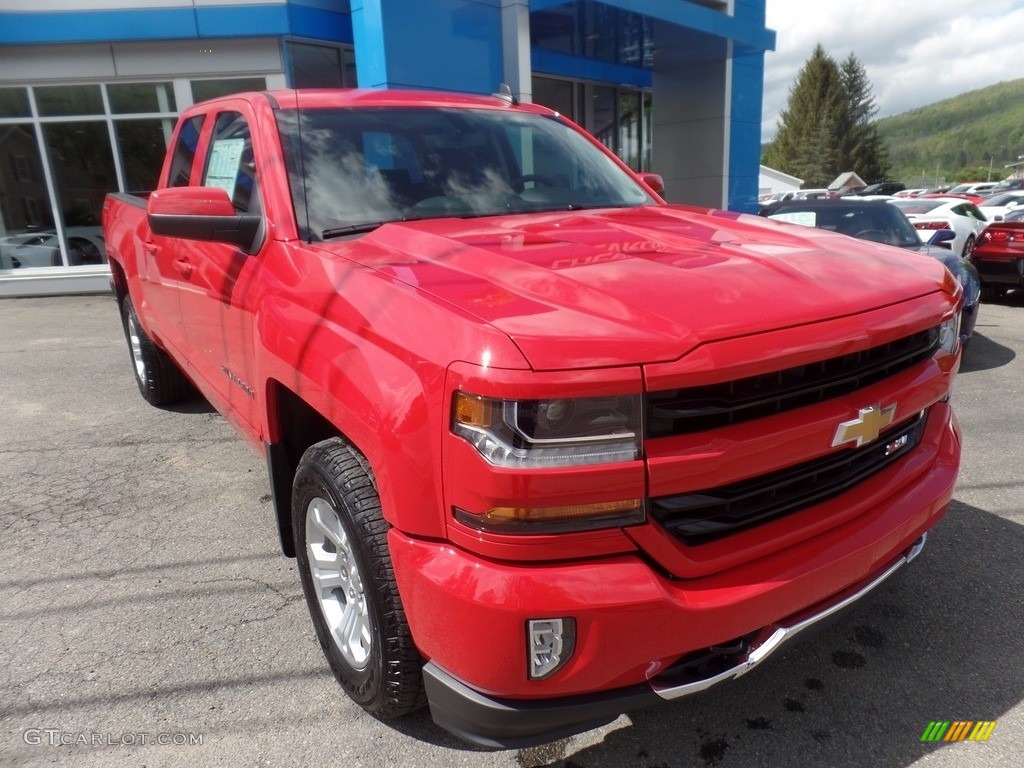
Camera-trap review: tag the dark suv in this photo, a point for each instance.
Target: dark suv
(881, 188)
(881, 222)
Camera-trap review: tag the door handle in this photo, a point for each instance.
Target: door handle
(183, 266)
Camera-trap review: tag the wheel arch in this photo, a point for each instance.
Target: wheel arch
(298, 426)
(118, 283)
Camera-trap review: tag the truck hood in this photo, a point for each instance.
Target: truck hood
(640, 285)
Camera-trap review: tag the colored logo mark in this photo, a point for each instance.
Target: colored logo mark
(958, 730)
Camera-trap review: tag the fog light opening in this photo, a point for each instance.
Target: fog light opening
(551, 643)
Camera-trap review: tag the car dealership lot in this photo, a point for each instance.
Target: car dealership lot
(148, 619)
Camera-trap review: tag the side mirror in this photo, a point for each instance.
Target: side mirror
(201, 213)
(654, 181)
(943, 238)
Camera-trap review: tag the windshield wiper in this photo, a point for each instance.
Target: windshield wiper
(365, 226)
(354, 229)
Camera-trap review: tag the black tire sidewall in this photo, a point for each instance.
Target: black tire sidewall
(364, 686)
(129, 318)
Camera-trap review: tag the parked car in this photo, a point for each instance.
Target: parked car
(974, 188)
(911, 192)
(810, 194)
(997, 206)
(536, 464)
(882, 222)
(1006, 185)
(999, 256)
(930, 214)
(42, 248)
(881, 188)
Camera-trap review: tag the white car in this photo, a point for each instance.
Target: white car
(810, 194)
(997, 206)
(973, 188)
(42, 248)
(930, 214)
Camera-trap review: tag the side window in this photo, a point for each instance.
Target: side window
(185, 152)
(231, 165)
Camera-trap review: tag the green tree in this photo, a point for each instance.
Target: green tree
(806, 143)
(826, 128)
(861, 149)
(976, 173)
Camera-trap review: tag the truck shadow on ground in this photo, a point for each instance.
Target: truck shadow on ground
(983, 354)
(930, 645)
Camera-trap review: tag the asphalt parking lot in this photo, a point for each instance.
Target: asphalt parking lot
(147, 618)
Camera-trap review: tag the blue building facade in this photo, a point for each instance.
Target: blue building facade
(89, 91)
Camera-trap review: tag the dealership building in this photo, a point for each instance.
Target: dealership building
(89, 91)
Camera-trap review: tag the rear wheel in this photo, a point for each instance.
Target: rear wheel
(968, 247)
(160, 381)
(349, 582)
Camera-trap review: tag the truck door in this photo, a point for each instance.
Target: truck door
(163, 261)
(218, 308)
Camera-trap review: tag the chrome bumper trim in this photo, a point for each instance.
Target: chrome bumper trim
(781, 635)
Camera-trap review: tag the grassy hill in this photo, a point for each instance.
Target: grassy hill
(975, 129)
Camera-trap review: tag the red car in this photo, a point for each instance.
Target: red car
(999, 256)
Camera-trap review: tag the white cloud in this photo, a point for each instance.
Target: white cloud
(915, 52)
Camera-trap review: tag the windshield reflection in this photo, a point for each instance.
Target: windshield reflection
(368, 166)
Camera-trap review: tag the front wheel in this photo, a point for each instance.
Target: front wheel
(968, 247)
(349, 582)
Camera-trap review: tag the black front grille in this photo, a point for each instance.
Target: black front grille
(702, 516)
(694, 409)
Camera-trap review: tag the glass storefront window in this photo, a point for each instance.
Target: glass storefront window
(554, 94)
(629, 128)
(63, 148)
(619, 117)
(62, 100)
(27, 234)
(143, 145)
(134, 98)
(648, 134)
(14, 103)
(348, 56)
(604, 116)
(316, 66)
(595, 30)
(82, 164)
(212, 89)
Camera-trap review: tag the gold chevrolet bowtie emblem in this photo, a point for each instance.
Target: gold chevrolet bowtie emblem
(866, 426)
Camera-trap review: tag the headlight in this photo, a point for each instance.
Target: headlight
(564, 432)
(949, 334)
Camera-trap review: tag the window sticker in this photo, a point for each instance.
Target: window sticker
(223, 169)
(803, 218)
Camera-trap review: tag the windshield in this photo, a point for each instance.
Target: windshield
(917, 205)
(1005, 198)
(880, 223)
(368, 166)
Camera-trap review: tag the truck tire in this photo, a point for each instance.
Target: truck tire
(349, 582)
(160, 380)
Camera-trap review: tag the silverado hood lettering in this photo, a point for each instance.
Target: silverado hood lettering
(656, 281)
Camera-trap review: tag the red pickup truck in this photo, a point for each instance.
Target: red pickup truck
(546, 448)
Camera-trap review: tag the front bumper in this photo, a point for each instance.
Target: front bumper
(1004, 271)
(639, 630)
(514, 724)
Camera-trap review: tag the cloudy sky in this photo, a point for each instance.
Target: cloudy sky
(915, 52)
